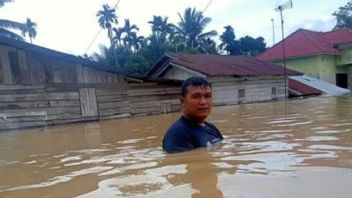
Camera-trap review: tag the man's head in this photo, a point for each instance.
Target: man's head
(196, 99)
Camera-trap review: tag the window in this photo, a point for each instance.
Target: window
(241, 93)
(273, 91)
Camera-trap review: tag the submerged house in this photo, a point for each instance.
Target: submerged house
(326, 56)
(235, 79)
(40, 86)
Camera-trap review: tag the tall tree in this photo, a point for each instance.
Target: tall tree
(137, 41)
(106, 18)
(251, 46)
(7, 25)
(30, 29)
(228, 42)
(117, 38)
(344, 16)
(191, 26)
(160, 27)
(208, 46)
(130, 34)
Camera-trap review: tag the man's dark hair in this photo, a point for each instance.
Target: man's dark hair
(194, 81)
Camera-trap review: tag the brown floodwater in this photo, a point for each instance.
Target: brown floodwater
(295, 148)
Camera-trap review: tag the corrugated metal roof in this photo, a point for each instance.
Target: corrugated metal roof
(221, 65)
(325, 87)
(305, 43)
(301, 89)
(56, 54)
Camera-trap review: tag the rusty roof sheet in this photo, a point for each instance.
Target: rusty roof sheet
(221, 65)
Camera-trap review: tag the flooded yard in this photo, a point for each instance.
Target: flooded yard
(295, 148)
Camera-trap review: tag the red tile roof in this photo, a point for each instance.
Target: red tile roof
(337, 37)
(305, 43)
(301, 89)
(221, 65)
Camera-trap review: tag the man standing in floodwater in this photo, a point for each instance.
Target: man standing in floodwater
(191, 130)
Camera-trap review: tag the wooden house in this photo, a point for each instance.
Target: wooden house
(235, 79)
(40, 86)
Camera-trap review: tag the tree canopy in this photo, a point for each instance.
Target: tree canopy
(106, 18)
(133, 53)
(191, 27)
(344, 16)
(228, 41)
(7, 27)
(30, 29)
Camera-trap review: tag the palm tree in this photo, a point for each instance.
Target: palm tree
(135, 41)
(5, 25)
(30, 29)
(160, 26)
(192, 25)
(117, 36)
(208, 46)
(106, 17)
(129, 29)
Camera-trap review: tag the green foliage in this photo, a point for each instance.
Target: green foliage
(251, 46)
(30, 29)
(134, 54)
(191, 26)
(106, 18)
(344, 16)
(244, 46)
(7, 27)
(228, 42)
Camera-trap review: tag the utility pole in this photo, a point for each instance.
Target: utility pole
(272, 24)
(280, 8)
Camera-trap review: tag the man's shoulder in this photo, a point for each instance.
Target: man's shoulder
(214, 130)
(179, 126)
(211, 125)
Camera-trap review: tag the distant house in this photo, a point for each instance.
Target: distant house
(235, 79)
(40, 86)
(324, 55)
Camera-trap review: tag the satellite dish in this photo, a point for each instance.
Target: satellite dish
(283, 4)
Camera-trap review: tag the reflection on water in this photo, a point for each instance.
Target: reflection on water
(298, 148)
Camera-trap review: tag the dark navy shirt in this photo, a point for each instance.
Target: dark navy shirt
(185, 135)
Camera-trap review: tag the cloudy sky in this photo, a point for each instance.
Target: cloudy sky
(71, 25)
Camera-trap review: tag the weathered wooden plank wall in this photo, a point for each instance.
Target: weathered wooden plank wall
(40, 105)
(152, 98)
(37, 90)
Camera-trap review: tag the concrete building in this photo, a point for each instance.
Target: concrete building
(323, 55)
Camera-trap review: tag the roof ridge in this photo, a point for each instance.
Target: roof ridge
(314, 41)
(281, 41)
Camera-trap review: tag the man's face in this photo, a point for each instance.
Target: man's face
(197, 103)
